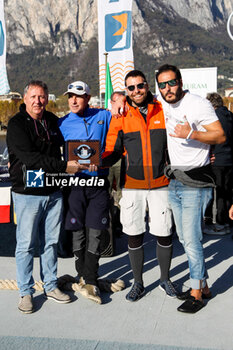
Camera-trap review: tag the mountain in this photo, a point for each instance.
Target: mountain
(56, 40)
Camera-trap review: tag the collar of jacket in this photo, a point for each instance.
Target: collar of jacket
(22, 109)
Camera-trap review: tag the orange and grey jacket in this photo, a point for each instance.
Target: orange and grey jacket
(143, 145)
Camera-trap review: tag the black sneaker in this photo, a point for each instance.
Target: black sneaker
(136, 292)
(168, 288)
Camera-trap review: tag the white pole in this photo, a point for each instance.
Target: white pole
(100, 99)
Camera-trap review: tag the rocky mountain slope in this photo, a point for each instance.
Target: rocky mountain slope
(56, 40)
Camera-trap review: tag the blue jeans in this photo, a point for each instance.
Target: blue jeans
(37, 217)
(188, 205)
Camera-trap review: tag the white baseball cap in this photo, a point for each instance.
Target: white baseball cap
(78, 88)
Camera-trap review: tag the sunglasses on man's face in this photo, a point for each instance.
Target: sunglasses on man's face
(139, 86)
(172, 82)
(77, 87)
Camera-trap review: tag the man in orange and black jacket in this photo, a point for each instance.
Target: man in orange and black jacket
(140, 136)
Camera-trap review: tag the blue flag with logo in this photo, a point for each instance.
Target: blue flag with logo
(115, 38)
(4, 86)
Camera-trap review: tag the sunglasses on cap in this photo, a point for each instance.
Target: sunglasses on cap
(172, 82)
(139, 86)
(77, 87)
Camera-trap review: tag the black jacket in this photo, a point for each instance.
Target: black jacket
(224, 152)
(32, 146)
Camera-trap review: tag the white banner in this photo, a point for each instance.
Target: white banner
(4, 86)
(199, 81)
(115, 39)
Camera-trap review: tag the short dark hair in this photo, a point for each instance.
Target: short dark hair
(215, 99)
(165, 68)
(135, 73)
(36, 83)
(122, 93)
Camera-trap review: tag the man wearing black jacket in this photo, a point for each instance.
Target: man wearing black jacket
(222, 168)
(34, 140)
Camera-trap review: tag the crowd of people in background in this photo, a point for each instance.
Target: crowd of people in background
(171, 158)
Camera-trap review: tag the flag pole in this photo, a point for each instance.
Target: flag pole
(106, 63)
(100, 96)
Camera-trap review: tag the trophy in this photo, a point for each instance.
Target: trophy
(84, 151)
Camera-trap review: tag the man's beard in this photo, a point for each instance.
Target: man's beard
(178, 96)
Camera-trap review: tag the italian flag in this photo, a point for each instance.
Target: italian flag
(108, 88)
(5, 202)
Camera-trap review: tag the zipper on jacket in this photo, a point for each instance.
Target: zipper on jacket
(145, 135)
(86, 123)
